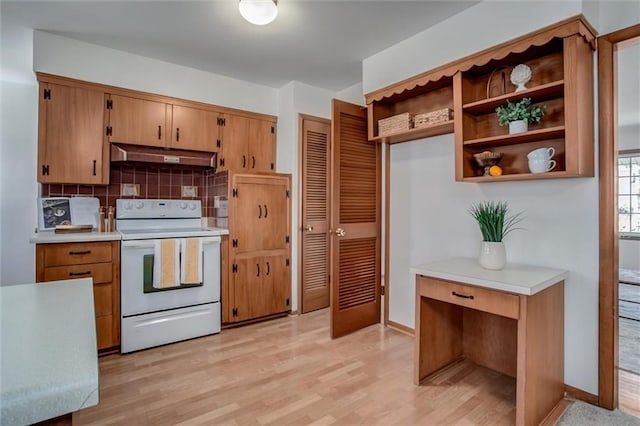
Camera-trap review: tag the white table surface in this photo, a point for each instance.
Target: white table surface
(49, 363)
(514, 278)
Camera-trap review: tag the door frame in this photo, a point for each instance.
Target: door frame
(608, 44)
(301, 118)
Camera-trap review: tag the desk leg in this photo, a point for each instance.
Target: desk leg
(540, 382)
(438, 336)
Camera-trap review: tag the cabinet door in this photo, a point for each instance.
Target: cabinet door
(262, 146)
(138, 121)
(246, 283)
(235, 144)
(194, 129)
(274, 223)
(247, 217)
(70, 146)
(276, 285)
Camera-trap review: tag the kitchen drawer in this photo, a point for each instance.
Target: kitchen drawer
(492, 301)
(100, 272)
(76, 253)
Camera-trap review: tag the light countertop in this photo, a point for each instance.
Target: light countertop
(514, 278)
(49, 355)
(46, 237)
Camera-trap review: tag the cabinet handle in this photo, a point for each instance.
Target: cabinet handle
(253, 158)
(159, 132)
(266, 212)
(78, 274)
(260, 213)
(258, 265)
(464, 296)
(268, 268)
(79, 253)
(244, 161)
(94, 167)
(177, 134)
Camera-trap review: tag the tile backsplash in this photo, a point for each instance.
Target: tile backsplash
(151, 182)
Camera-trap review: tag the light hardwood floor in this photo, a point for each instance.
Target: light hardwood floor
(629, 392)
(290, 372)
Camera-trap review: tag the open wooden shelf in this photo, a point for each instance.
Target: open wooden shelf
(519, 176)
(537, 94)
(530, 136)
(419, 133)
(560, 57)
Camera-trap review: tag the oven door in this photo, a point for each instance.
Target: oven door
(136, 296)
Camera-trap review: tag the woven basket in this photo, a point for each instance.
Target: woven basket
(434, 117)
(395, 124)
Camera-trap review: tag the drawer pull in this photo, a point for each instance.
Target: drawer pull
(78, 274)
(464, 296)
(79, 253)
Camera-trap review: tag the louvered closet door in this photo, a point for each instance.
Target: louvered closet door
(355, 222)
(316, 135)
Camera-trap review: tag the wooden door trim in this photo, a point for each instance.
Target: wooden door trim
(301, 119)
(387, 245)
(608, 222)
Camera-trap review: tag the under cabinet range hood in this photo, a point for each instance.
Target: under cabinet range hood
(123, 153)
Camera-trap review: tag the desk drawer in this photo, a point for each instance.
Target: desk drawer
(100, 272)
(492, 301)
(76, 253)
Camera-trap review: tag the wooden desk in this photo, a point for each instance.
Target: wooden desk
(511, 321)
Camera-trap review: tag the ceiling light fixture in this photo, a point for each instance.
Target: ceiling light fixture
(259, 12)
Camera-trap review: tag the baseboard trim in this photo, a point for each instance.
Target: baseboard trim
(557, 412)
(581, 395)
(400, 327)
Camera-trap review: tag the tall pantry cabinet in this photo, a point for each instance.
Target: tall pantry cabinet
(259, 266)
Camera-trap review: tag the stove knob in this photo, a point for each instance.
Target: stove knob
(183, 205)
(128, 205)
(192, 206)
(139, 205)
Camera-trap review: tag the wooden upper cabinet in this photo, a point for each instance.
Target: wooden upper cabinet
(235, 143)
(248, 144)
(71, 135)
(262, 146)
(137, 121)
(560, 58)
(195, 129)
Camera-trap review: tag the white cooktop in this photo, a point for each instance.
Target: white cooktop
(165, 232)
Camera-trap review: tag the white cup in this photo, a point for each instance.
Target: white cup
(541, 153)
(541, 165)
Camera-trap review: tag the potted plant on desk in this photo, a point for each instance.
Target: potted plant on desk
(518, 115)
(494, 224)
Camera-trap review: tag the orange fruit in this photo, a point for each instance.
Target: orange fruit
(495, 170)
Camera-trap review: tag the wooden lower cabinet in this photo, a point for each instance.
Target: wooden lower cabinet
(98, 260)
(256, 281)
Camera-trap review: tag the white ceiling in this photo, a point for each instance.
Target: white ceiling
(321, 43)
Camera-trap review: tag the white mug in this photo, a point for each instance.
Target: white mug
(541, 165)
(542, 153)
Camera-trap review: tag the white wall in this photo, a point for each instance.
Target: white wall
(353, 94)
(71, 58)
(429, 218)
(18, 188)
(297, 98)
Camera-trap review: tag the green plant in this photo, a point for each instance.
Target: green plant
(494, 222)
(521, 110)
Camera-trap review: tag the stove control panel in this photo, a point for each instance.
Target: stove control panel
(157, 209)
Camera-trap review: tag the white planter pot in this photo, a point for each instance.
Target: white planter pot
(518, 126)
(492, 255)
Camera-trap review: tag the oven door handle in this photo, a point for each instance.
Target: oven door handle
(137, 244)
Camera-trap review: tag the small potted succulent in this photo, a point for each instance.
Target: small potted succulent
(519, 114)
(494, 224)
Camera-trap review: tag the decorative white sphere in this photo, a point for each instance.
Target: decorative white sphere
(520, 76)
